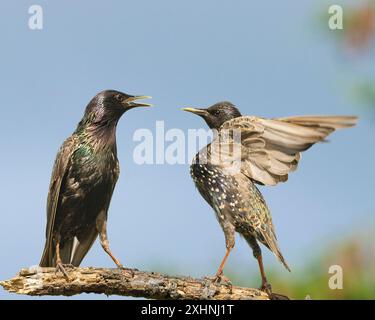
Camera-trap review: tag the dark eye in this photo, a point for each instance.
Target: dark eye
(119, 97)
(217, 112)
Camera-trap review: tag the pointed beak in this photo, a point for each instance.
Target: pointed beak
(132, 102)
(199, 112)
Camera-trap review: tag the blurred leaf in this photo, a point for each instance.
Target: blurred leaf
(356, 256)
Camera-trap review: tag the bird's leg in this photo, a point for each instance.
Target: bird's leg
(229, 241)
(105, 245)
(59, 264)
(251, 240)
(266, 287)
(219, 272)
(102, 226)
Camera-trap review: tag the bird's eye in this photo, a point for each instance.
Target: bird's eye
(217, 112)
(119, 97)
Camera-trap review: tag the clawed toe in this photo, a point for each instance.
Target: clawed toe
(223, 280)
(131, 271)
(219, 279)
(61, 268)
(266, 287)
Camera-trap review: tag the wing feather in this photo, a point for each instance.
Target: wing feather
(269, 149)
(62, 162)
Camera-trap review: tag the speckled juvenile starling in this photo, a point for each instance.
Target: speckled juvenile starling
(83, 179)
(245, 151)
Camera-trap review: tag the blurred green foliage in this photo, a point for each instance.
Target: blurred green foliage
(356, 42)
(365, 93)
(358, 33)
(355, 255)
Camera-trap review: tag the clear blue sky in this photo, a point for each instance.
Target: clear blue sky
(269, 59)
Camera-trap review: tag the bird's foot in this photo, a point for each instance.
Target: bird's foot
(220, 279)
(212, 284)
(129, 270)
(60, 267)
(266, 287)
(218, 276)
(122, 268)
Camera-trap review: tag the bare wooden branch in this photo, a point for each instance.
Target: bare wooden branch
(127, 282)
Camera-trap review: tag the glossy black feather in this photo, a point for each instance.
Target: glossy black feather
(83, 179)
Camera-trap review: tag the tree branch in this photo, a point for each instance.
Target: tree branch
(127, 282)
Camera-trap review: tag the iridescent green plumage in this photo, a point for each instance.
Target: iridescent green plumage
(83, 179)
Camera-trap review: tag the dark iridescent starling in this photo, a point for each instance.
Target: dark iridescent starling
(246, 151)
(83, 179)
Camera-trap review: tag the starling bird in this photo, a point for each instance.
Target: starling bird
(83, 179)
(245, 151)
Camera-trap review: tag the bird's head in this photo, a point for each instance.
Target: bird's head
(108, 106)
(217, 114)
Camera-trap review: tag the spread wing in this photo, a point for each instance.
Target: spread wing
(62, 163)
(268, 149)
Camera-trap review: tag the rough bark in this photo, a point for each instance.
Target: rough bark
(127, 282)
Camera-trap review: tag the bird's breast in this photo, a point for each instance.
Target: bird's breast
(233, 197)
(91, 167)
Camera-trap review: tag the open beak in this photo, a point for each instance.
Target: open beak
(199, 112)
(132, 102)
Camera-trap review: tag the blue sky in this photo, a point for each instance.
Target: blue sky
(270, 60)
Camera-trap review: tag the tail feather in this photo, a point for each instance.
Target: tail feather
(83, 247)
(47, 259)
(280, 257)
(269, 240)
